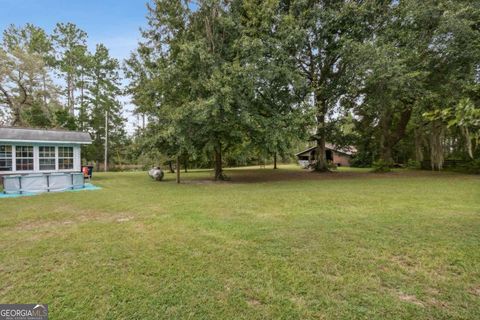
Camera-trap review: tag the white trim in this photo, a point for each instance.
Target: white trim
(56, 157)
(14, 158)
(77, 158)
(43, 171)
(43, 141)
(36, 162)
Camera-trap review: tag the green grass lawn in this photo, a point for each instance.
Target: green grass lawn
(284, 244)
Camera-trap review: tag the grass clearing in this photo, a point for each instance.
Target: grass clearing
(284, 244)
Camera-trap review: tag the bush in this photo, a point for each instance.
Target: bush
(381, 166)
(331, 166)
(413, 164)
(469, 166)
(473, 166)
(362, 160)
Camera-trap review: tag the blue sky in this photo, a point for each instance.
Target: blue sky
(115, 23)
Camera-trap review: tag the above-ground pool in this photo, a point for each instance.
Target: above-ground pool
(37, 183)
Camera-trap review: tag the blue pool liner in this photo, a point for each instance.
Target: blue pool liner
(88, 186)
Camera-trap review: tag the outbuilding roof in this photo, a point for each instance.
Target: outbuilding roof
(348, 150)
(12, 134)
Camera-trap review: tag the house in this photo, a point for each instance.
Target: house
(338, 156)
(26, 150)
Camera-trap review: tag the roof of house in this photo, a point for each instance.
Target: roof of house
(348, 150)
(12, 134)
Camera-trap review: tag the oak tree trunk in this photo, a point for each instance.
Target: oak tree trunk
(178, 169)
(275, 160)
(320, 158)
(385, 151)
(218, 164)
(392, 133)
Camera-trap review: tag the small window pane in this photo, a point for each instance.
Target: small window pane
(6, 158)
(24, 164)
(65, 158)
(46, 152)
(24, 159)
(24, 151)
(65, 163)
(6, 164)
(47, 164)
(65, 152)
(5, 151)
(46, 156)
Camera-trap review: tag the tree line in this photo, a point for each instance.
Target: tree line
(229, 82)
(54, 81)
(397, 79)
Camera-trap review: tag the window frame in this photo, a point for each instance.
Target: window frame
(63, 157)
(54, 158)
(18, 148)
(4, 157)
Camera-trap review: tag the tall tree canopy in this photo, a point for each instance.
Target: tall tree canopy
(195, 77)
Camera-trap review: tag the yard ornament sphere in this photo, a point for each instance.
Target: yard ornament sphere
(156, 173)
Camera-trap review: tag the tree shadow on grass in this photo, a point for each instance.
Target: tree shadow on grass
(262, 175)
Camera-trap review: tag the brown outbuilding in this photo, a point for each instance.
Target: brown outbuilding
(340, 157)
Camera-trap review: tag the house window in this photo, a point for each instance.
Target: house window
(46, 158)
(6, 158)
(24, 158)
(65, 158)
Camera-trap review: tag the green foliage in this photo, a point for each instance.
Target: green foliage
(465, 116)
(25, 86)
(70, 45)
(381, 166)
(63, 119)
(473, 166)
(222, 89)
(102, 101)
(413, 164)
(362, 159)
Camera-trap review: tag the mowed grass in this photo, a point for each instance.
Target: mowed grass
(284, 244)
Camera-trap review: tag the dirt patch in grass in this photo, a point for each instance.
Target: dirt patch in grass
(6, 288)
(254, 302)
(475, 290)
(124, 219)
(405, 263)
(410, 299)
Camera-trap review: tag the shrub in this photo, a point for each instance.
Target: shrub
(413, 164)
(381, 166)
(362, 160)
(473, 166)
(331, 166)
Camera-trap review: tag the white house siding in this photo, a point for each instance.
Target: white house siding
(77, 159)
